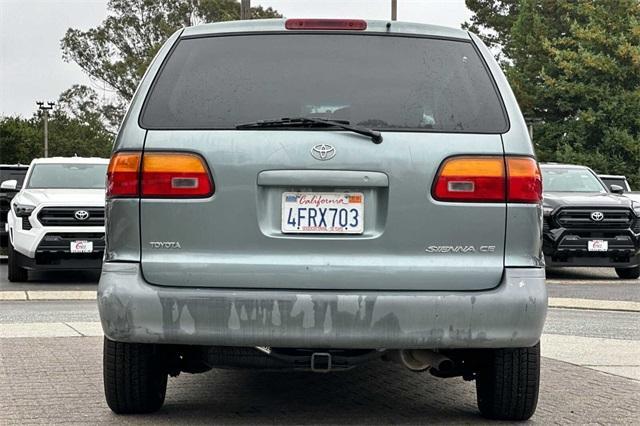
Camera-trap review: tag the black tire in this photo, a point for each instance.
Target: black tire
(135, 380)
(507, 385)
(628, 273)
(15, 272)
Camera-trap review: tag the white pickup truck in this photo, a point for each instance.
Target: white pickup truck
(619, 184)
(56, 221)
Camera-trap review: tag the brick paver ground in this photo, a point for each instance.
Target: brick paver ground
(59, 380)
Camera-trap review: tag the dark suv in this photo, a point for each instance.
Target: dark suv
(587, 225)
(9, 172)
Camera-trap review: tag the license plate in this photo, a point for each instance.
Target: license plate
(81, 246)
(322, 213)
(597, 245)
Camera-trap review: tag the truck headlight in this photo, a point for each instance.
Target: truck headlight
(546, 211)
(23, 210)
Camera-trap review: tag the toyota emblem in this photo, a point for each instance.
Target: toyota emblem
(597, 216)
(323, 152)
(81, 215)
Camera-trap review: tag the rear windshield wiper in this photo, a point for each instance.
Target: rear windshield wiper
(375, 136)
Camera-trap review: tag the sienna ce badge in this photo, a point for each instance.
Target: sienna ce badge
(323, 152)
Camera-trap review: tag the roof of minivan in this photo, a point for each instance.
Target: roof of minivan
(260, 25)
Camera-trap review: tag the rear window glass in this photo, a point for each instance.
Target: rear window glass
(382, 82)
(68, 176)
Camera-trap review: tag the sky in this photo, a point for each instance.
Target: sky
(31, 64)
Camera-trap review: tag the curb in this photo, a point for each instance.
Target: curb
(41, 295)
(593, 304)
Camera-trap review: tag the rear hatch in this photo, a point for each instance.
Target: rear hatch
(431, 99)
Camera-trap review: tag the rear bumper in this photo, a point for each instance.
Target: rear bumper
(511, 315)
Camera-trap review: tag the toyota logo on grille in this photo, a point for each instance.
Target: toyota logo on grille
(323, 152)
(81, 215)
(597, 216)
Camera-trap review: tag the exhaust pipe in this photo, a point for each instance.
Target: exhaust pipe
(423, 359)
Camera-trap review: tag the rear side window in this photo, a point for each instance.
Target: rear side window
(382, 82)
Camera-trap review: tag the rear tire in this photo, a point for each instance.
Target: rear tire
(628, 273)
(135, 380)
(15, 272)
(508, 384)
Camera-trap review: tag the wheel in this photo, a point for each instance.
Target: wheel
(135, 380)
(15, 271)
(507, 385)
(628, 273)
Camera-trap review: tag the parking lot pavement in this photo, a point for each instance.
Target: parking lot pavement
(590, 372)
(58, 380)
(590, 360)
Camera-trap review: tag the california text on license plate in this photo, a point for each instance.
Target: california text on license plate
(323, 212)
(81, 246)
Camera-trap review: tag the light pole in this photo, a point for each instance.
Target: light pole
(245, 9)
(394, 10)
(45, 115)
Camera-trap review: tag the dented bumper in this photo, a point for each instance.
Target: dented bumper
(511, 315)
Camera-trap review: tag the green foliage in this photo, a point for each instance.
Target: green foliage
(575, 69)
(22, 139)
(119, 50)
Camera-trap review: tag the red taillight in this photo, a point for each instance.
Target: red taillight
(471, 179)
(525, 182)
(175, 175)
(325, 24)
(479, 179)
(122, 174)
(158, 175)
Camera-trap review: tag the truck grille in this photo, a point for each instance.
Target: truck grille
(66, 216)
(581, 218)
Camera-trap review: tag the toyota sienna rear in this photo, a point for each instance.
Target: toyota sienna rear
(317, 194)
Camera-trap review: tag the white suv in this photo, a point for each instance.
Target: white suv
(56, 221)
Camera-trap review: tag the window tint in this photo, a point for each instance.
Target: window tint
(616, 181)
(383, 82)
(11, 174)
(72, 176)
(570, 180)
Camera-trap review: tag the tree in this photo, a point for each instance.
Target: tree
(22, 138)
(575, 67)
(119, 50)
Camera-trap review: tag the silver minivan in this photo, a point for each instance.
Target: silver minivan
(313, 194)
